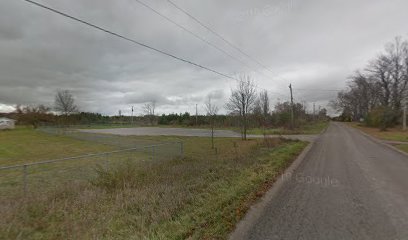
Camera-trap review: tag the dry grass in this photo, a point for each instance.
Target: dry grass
(199, 196)
(392, 134)
(308, 128)
(403, 147)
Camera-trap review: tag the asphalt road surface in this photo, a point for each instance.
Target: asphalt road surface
(157, 131)
(347, 187)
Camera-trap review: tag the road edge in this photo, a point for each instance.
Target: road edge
(255, 211)
(377, 140)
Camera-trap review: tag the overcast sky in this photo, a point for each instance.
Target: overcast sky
(313, 44)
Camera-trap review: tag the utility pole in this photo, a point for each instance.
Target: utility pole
(291, 112)
(314, 112)
(404, 117)
(132, 116)
(196, 115)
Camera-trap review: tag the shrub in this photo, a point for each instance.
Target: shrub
(382, 117)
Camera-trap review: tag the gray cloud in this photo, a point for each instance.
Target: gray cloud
(313, 44)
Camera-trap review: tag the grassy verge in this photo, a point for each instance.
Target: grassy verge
(403, 147)
(392, 134)
(199, 196)
(310, 128)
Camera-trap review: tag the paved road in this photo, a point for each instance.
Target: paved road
(347, 187)
(156, 131)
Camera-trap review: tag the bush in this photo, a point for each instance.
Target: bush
(382, 117)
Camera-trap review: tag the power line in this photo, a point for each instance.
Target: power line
(199, 37)
(218, 35)
(278, 93)
(127, 39)
(131, 40)
(192, 33)
(320, 90)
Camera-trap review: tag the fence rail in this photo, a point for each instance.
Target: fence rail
(42, 171)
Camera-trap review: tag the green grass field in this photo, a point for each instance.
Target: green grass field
(199, 196)
(24, 145)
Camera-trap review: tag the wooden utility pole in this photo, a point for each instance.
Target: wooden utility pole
(132, 116)
(292, 121)
(404, 117)
(196, 115)
(314, 112)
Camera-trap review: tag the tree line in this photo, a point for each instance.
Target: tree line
(376, 94)
(247, 108)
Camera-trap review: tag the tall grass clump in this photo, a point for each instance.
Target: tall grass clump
(116, 177)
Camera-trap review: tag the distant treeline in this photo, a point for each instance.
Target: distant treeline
(280, 117)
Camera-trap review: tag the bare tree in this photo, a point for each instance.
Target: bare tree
(395, 52)
(389, 70)
(257, 112)
(149, 110)
(379, 71)
(33, 115)
(64, 102)
(242, 100)
(380, 89)
(264, 101)
(212, 111)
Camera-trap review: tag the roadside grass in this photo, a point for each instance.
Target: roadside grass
(309, 128)
(403, 147)
(199, 196)
(392, 134)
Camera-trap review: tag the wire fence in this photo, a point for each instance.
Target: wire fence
(106, 139)
(21, 180)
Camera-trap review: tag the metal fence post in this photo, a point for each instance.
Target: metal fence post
(25, 179)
